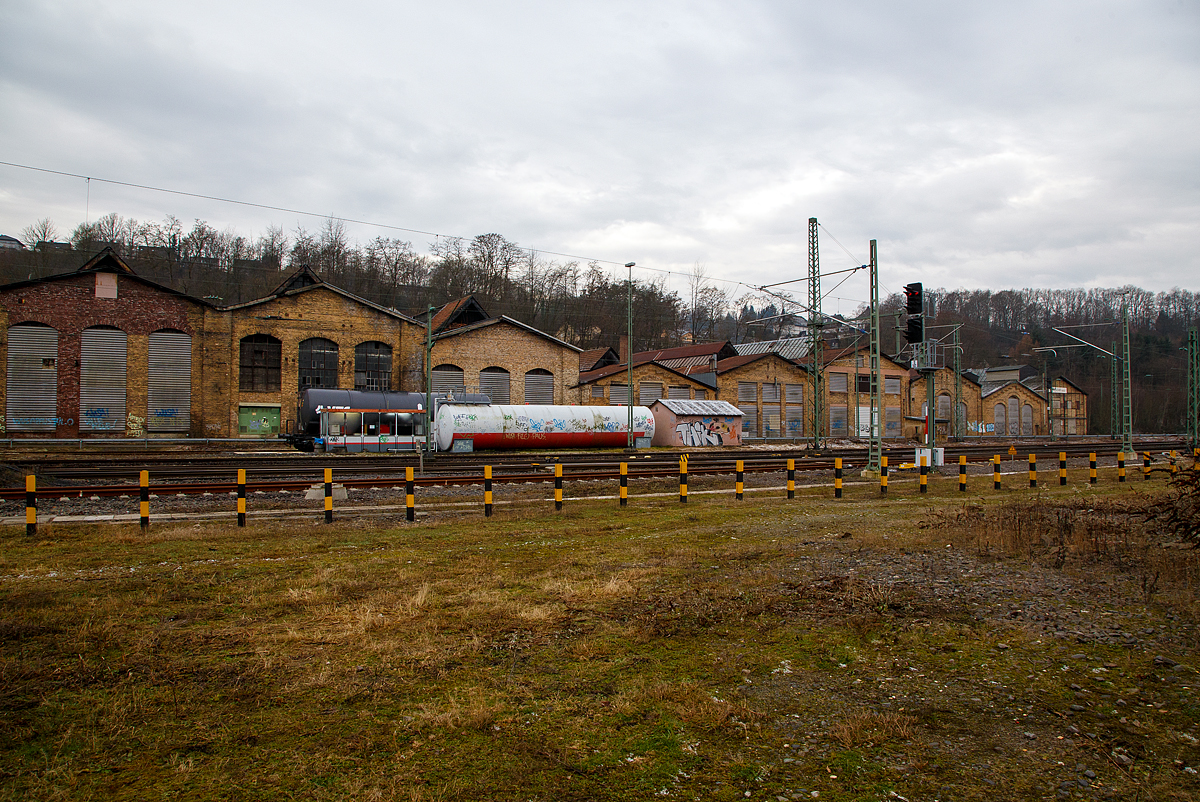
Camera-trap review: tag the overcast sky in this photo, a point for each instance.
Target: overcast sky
(1019, 144)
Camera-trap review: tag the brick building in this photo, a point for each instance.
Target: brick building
(772, 393)
(100, 352)
(508, 361)
(609, 385)
(847, 387)
(307, 333)
(970, 413)
(1011, 409)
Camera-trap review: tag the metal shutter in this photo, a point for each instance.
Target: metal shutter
(1014, 416)
(169, 382)
(893, 423)
(839, 382)
(539, 388)
(837, 421)
(770, 411)
(649, 392)
(102, 381)
(448, 379)
(748, 404)
(32, 404)
(793, 396)
(494, 383)
(998, 419)
(618, 394)
(680, 393)
(944, 405)
(1027, 421)
(891, 385)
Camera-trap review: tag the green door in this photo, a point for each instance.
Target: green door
(258, 421)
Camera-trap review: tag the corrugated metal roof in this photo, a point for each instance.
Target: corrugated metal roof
(681, 407)
(789, 348)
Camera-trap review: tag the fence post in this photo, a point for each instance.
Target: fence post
(624, 483)
(883, 476)
(683, 479)
(837, 477)
(1092, 468)
(924, 474)
(558, 486)
(1174, 467)
(1033, 470)
(144, 499)
(30, 505)
(487, 491)
(1146, 465)
(738, 486)
(962, 473)
(1120, 466)
(241, 497)
(329, 495)
(791, 474)
(410, 499)
(996, 472)
(1062, 468)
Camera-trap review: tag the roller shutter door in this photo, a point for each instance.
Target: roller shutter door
(649, 392)
(771, 419)
(494, 383)
(539, 388)
(102, 381)
(1014, 417)
(448, 379)
(794, 397)
(837, 420)
(748, 404)
(1027, 421)
(680, 393)
(618, 394)
(169, 383)
(32, 404)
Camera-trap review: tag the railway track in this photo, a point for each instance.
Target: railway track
(365, 471)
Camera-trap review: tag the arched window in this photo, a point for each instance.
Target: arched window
(944, 405)
(318, 363)
(169, 384)
(1014, 416)
(258, 367)
(32, 399)
(1027, 421)
(494, 382)
(998, 418)
(539, 387)
(962, 418)
(102, 364)
(373, 366)
(448, 379)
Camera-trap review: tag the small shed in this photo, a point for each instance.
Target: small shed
(685, 423)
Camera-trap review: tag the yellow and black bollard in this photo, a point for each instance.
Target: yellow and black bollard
(996, 472)
(791, 478)
(738, 485)
(1146, 465)
(558, 486)
(1092, 468)
(1033, 470)
(241, 497)
(30, 505)
(487, 491)
(683, 479)
(624, 484)
(962, 473)
(329, 495)
(837, 477)
(1120, 466)
(924, 474)
(1062, 467)
(1174, 466)
(883, 476)
(144, 499)
(410, 497)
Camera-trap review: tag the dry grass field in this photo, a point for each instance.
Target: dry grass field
(1017, 644)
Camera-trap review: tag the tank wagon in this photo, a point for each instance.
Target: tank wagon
(356, 420)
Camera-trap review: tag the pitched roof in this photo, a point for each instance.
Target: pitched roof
(682, 406)
(305, 280)
(107, 261)
(989, 387)
(492, 321)
(612, 370)
(788, 347)
(686, 355)
(590, 360)
(462, 312)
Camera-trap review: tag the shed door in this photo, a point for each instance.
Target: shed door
(169, 384)
(32, 404)
(102, 381)
(770, 411)
(748, 404)
(494, 383)
(794, 396)
(539, 387)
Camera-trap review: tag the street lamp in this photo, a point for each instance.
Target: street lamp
(629, 357)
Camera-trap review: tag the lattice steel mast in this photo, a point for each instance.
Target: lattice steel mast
(814, 329)
(876, 414)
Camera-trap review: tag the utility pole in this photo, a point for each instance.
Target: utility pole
(814, 329)
(1114, 405)
(1126, 392)
(960, 423)
(876, 413)
(629, 359)
(1193, 408)
(429, 379)
(1049, 396)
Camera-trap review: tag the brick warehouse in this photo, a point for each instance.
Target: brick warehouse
(67, 342)
(307, 333)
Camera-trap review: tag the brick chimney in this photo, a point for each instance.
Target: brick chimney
(624, 348)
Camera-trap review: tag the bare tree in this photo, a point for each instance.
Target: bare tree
(41, 231)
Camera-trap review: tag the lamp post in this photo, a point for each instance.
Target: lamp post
(629, 357)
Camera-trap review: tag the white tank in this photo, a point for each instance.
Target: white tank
(539, 426)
